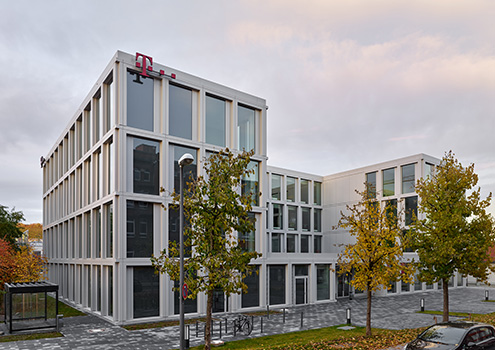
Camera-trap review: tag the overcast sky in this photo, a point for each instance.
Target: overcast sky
(349, 83)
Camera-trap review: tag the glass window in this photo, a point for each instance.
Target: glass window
(247, 240)
(429, 170)
(317, 193)
(317, 244)
(97, 214)
(145, 292)
(146, 166)
(109, 229)
(190, 305)
(371, 184)
(250, 183)
(305, 243)
(278, 216)
(292, 217)
(291, 243)
(180, 112)
(277, 284)
(388, 182)
(306, 219)
(304, 191)
(109, 116)
(276, 187)
(411, 209)
(110, 291)
(251, 298)
(317, 220)
(174, 228)
(277, 242)
(322, 282)
(190, 171)
(215, 121)
(246, 128)
(139, 101)
(139, 229)
(291, 189)
(408, 178)
(391, 209)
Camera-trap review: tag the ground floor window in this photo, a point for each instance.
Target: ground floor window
(190, 305)
(251, 298)
(145, 292)
(277, 284)
(322, 282)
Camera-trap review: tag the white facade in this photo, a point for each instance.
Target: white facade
(103, 215)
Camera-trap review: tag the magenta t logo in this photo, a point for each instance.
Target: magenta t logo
(144, 63)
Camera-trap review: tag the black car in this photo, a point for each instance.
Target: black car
(455, 335)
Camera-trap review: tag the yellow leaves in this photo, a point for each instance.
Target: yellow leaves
(29, 267)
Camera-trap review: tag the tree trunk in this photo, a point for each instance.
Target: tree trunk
(445, 285)
(209, 308)
(368, 314)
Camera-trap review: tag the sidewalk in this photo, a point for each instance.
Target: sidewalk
(391, 312)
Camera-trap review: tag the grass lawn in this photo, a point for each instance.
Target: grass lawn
(19, 337)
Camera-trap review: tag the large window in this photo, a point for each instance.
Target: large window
(250, 183)
(247, 240)
(190, 305)
(276, 187)
(251, 298)
(317, 244)
(388, 182)
(190, 171)
(215, 121)
(146, 166)
(145, 292)
(174, 228)
(304, 191)
(411, 209)
(306, 219)
(180, 112)
(292, 217)
(291, 243)
(278, 216)
(139, 229)
(277, 242)
(391, 209)
(108, 210)
(246, 128)
(305, 243)
(371, 184)
(322, 282)
(291, 189)
(277, 284)
(317, 220)
(139, 101)
(408, 178)
(317, 193)
(429, 170)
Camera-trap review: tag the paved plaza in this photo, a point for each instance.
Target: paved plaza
(392, 312)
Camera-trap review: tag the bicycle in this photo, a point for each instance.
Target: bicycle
(243, 324)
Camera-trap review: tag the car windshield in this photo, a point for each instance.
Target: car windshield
(443, 334)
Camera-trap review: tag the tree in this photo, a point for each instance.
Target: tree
(35, 230)
(9, 231)
(28, 266)
(375, 259)
(456, 231)
(215, 208)
(7, 263)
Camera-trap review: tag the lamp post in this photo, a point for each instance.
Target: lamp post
(186, 159)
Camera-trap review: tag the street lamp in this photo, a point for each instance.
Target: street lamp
(186, 159)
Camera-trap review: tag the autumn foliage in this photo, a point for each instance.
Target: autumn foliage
(35, 230)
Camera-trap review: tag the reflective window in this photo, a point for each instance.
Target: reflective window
(145, 292)
(277, 284)
(322, 282)
(252, 296)
(190, 171)
(246, 128)
(190, 305)
(139, 229)
(247, 240)
(429, 170)
(174, 228)
(371, 184)
(305, 243)
(146, 166)
(304, 191)
(317, 193)
(109, 229)
(306, 219)
(139, 101)
(292, 217)
(291, 189)
(317, 244)
(391, 209)
(408, 178)
(317, 220)
(180, 112)
(277, 216)
(276, 187)
(250, 183)
(277, 242)
(291, 243)
(388, 182)
(215, 121)
(411, 209)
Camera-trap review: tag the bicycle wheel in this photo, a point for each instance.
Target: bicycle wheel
(247, 327)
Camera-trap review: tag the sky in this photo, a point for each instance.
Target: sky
(348, 83)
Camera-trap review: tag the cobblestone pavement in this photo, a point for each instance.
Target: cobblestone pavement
(391, 312)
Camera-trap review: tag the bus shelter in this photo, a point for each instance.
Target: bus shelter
(26, 304)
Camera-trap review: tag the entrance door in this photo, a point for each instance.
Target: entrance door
(301, 289)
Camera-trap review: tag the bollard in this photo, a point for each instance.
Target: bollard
(284, 314)
(235, 328)
(268, 311)
(252, 322)
(486, 295)
(225, 325)
(422, 304)
(58, 322)
(197, 328)
(302, 317)
(186, 338)
(220, 329)
(261, 324)
(348, 315)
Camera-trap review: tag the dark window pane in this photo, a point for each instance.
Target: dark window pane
(391, 209)
(245, 128)
(139, 101)
(317, 193)
(146, 166)
(317, 220)
(305, 243)
(174, 228)
(180, 112)
(306, 219)
(411, 209)
(291, 189)
(317, 244)
(276, 186)
(252, 297)
(291, 243)
(292, 217)
(278, 216)
(190, 171)
(388, 182)
(277, 284)
(215, 121)
(139, 229)
(371, 184)
(190, 305)
(250, 183)
(322, 282)
(146, 292)
(247, 240)
(408, 178)
(277, 242)
(304, 191)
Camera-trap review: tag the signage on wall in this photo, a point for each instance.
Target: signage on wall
(146, 64)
